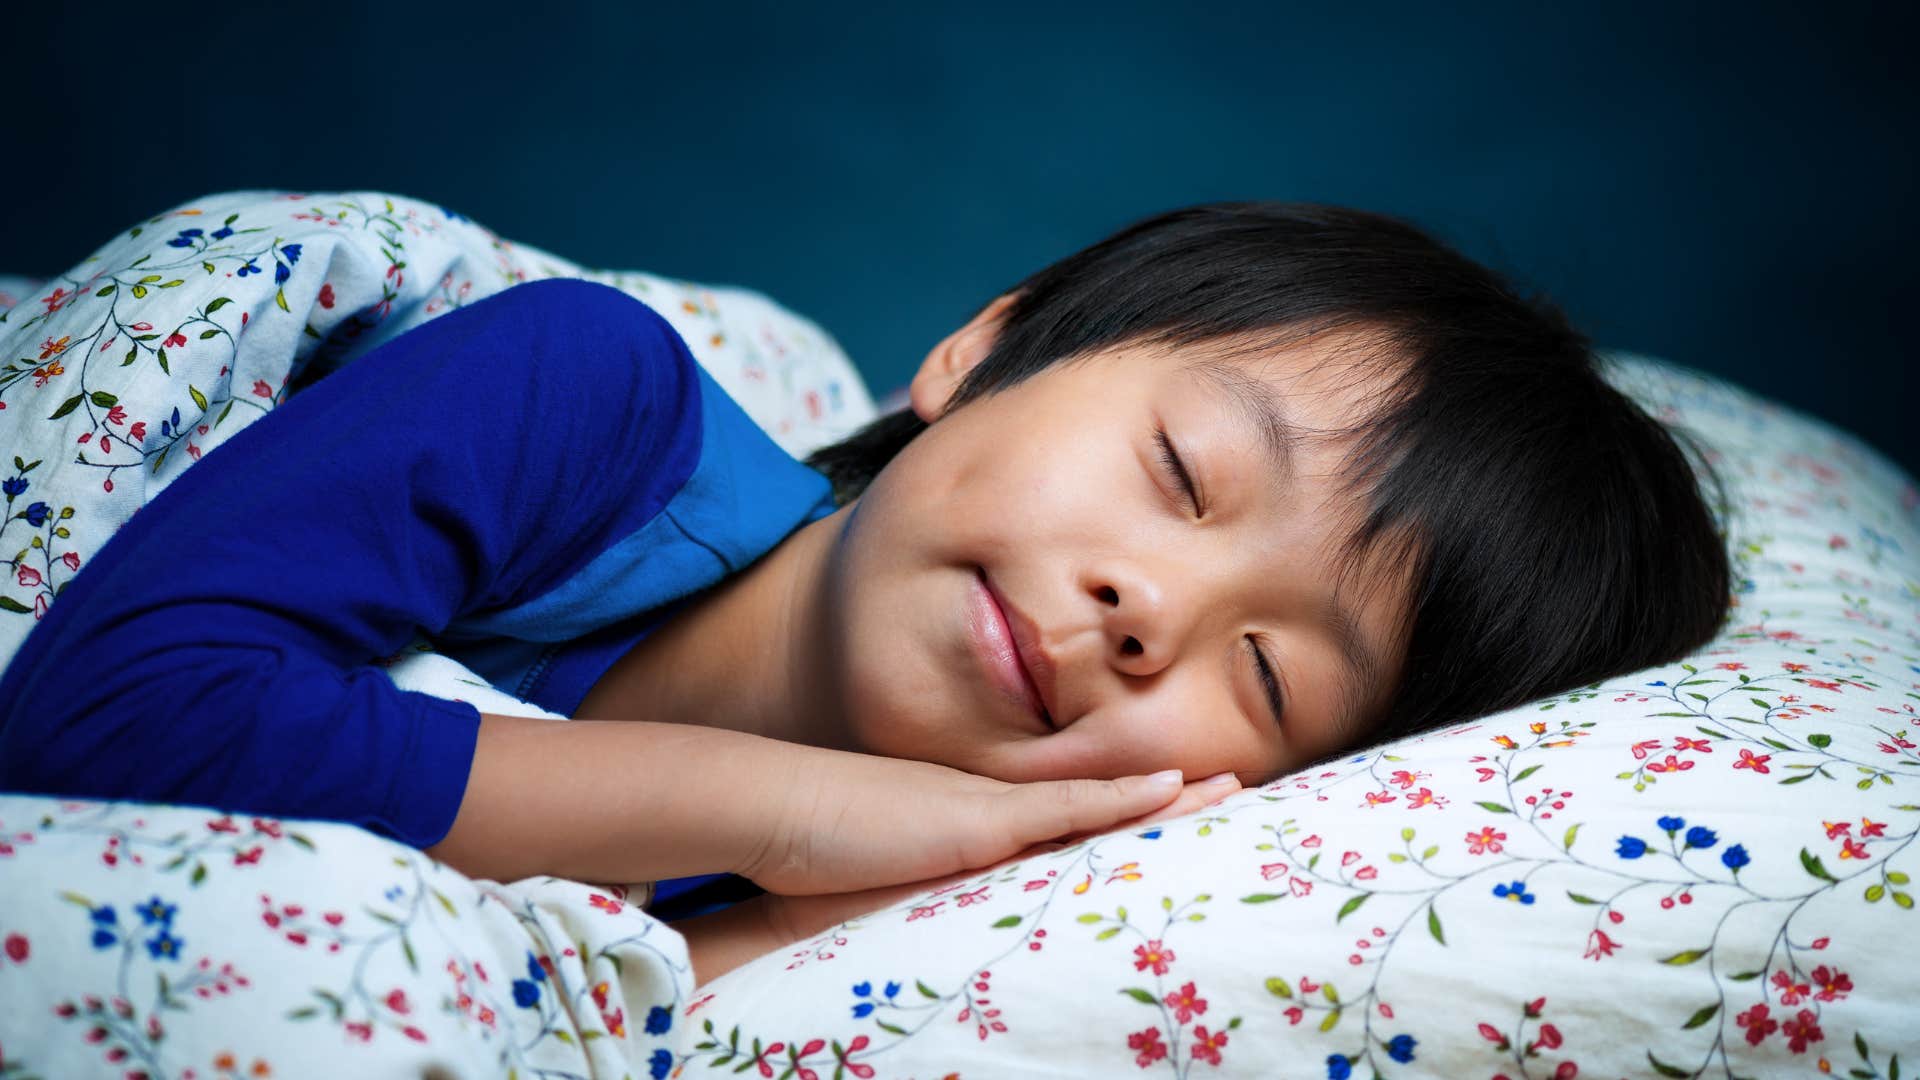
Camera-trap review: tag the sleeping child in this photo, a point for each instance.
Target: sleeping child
(1240, 487)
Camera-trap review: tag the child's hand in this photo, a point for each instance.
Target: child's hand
(844, 821)
(774, 921)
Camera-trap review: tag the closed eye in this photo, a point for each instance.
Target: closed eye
(1268, 682)
(1177, 469)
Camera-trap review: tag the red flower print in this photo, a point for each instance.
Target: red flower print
(1672, 764)
(1485, 842)
(361, 1031)
(606, 904)
(28, 576)
(1485, 773)
(1273, 870)
(1186, 1004)
(1870, 828)
(17, 950)
(1751, 760)
(1549, 1037)
(1300, 886)
(1837, 828)
(1681, 742)
(1150, 1048)
(1599, 945)
(1793, 667)
(1757, 1024)
(1380, 798)
(1425, 797)
(261, 389)
(1791, 993)
(326, 296)
(1731, 666)
(1492, 1034)
(175, 340)
(1504, 742)
(1405, 779)
(926, 910)
(397, 1001)
(1207, 1047)
(1833, 984)
(1645, 746)
(1824, 684)
(1153, 955)
(1851, 850)
(1801, 1030)
(57, 299)
(858, 1044)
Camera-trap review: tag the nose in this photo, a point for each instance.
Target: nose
(1141, 618)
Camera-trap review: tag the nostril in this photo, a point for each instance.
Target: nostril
(1108, 595)
(1131, 647)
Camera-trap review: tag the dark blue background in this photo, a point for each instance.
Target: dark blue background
(1729, 188)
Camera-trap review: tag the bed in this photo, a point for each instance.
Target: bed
(1703, 868)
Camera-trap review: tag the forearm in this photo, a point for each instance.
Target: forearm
(608, 800)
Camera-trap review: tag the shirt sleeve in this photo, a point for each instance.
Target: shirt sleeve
(216, 650)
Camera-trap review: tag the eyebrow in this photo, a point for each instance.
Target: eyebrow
(1259, 405)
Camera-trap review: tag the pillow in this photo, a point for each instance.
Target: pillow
(1705, 868)
(174, 335)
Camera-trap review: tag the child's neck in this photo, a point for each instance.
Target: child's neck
(745, 655)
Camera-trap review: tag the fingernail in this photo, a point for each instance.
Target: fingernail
(1219, 778)
(1167, 778)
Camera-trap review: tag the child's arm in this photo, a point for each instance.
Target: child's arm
(617, 800)
(217, 649)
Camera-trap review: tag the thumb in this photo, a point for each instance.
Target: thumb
(1055, 808)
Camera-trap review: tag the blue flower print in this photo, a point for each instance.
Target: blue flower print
(892, 989)
(291, 251)
(185, 239)
(248, 269)
(862, 989)
(526, 993)
(104, 924)
(14, 486)
(280, 272)
(1672, 824)
(222, 233)
(394, 893)
(536, 969)
(1516, 890)
(157, 910)
(1701, 837)
(659, 1020)
(1631, 847)
(1400, 1048)
(1338, 1067)
(36, 514)
(862, 1010)
(164, 946)
(1735, 857)
(660, 1064)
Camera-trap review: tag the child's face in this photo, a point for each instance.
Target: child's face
(1054, 495)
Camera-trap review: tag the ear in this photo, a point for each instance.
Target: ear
(956, 355)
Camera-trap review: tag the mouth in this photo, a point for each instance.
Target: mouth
(998, 630)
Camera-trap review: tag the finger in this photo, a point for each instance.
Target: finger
(1197, 796)
(1056, 808)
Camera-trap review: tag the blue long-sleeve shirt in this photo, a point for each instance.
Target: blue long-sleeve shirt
(531, 481)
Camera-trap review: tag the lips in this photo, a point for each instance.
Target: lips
(1036, 669)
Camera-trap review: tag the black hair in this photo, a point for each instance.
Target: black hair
(1553, 532)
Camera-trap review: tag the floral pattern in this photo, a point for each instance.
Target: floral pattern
(120, 373)
(1704, 868)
